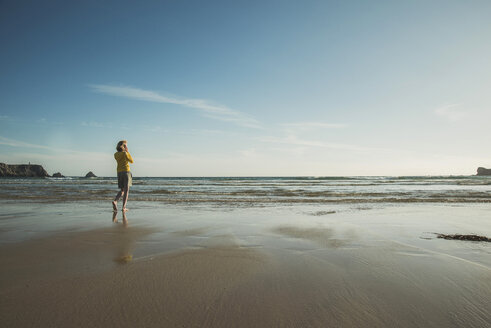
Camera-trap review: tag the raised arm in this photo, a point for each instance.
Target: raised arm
(129, 158)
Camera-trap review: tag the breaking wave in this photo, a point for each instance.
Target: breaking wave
(258, 190)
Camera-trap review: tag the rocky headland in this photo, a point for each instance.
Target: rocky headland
(483, 171)
(22, 170)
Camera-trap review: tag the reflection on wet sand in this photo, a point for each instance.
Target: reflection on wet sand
(123, 241)
(70, 253)
(320, 235)
(125, 218)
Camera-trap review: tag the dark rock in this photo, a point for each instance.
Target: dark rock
(22, 170)
(90, 175)
(483, 171)
(58, 175)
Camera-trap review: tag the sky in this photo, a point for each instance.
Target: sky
(247, 88)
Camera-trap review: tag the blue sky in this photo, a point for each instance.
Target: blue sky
(247, 88)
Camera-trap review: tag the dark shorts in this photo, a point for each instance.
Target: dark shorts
(125, 179)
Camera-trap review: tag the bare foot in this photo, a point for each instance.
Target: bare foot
(115, 206)
(125, 209)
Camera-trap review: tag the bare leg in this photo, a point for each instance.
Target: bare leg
(126, 191)
(115, 201)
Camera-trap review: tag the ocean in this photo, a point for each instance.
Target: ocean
(257, 191)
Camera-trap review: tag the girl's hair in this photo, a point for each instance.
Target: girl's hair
(119, 147)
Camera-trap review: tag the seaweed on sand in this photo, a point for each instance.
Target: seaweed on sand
(463, 237)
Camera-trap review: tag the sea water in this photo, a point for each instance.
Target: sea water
(257, 191)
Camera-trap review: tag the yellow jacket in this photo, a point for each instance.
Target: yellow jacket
(124, 159)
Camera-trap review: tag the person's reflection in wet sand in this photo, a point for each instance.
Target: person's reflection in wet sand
(122, 240)
(125, 218)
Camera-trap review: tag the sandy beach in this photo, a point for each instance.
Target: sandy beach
(203, 268)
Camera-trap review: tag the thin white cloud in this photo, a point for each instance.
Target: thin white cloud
(93, 124)
(46, 121)
(150, 128)
(451, 112)
(17, 143)
(62, 159)
(214, 111)
(314, 125)
(295, 141)
(248, 153)
(22, 144)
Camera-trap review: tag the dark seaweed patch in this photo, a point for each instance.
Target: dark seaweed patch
(463, 237)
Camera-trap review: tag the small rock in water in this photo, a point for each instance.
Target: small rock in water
(58, 175)
(90, 175)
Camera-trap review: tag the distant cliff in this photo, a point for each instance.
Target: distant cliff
(483, 171)
(22, 170)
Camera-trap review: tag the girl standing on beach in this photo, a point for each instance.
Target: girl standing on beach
(125, 177)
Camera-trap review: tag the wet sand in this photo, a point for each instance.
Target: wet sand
(287, 274)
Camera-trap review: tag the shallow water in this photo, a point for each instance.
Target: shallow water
(302, 227)
(259, 191)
